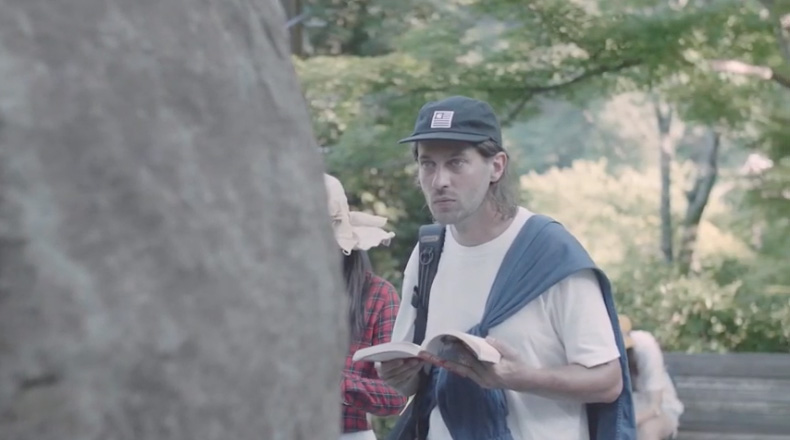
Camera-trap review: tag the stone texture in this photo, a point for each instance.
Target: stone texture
(166, 267)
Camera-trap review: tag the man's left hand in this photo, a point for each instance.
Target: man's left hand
(499, 375)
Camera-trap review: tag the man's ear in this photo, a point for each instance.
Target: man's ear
(498, 165)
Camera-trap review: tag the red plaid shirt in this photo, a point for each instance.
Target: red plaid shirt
(363, 391)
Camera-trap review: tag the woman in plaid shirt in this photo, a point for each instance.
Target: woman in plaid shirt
(373, 306)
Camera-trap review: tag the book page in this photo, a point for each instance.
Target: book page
(481, 349)
(387, 352)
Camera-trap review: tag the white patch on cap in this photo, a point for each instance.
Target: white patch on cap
(442, 119)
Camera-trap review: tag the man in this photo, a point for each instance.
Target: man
(561, 347)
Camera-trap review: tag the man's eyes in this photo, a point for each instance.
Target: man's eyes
(456, 162)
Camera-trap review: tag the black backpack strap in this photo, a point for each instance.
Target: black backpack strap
(410, 424)
(431, 244)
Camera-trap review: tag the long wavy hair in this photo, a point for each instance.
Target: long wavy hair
(502, 193)
(356, 272)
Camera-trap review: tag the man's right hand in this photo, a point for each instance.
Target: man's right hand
(401, 374)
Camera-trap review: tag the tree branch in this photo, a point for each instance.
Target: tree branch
(741, 68)
(600, 70)
(518, 108)
(534, 89)
(530, 91)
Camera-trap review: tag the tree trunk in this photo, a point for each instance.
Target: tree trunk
(166, 265)
(697, 196)
(293, 9)
(666, 154)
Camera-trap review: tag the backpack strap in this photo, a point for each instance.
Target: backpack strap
(431, 245)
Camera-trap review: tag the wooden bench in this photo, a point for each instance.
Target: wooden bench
(736, 396)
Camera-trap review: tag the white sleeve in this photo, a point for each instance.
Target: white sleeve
(649, 361)
(404, 323)
(581, 320)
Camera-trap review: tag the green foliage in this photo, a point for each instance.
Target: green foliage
(738, 302)
(562, 133)
(614, 213)
(383, 425)
(363, 104)
(571, 82)
(770, 188)
(360, 27)
(698, 314)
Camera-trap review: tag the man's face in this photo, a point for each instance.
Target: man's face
(454, 178)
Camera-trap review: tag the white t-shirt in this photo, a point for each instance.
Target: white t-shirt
(652, 375)
(566, 324)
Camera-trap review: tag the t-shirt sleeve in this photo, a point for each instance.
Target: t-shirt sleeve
(404, 323)
(579, 316)
(649, 361)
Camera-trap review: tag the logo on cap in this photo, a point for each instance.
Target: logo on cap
(442, 119)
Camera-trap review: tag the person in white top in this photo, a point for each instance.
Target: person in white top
(559, 351)
(656, 402)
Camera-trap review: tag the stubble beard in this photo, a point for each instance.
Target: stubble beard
(458, 214)
(447, 218)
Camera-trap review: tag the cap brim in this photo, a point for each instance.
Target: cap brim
(444, 136)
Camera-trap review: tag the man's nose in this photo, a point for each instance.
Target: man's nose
(441, 178)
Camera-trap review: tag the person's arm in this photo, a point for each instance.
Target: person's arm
(372, 394)
(601, 383)
(580, 318)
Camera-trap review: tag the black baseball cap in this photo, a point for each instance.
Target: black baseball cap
(457, 118)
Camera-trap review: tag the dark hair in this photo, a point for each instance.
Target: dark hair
(356, 272)
(502, 192)
(632, 368)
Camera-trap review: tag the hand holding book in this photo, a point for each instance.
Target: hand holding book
(449, 345)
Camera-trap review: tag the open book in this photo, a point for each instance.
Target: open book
(443, 345)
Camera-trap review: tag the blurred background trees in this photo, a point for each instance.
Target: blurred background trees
(657, 131)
